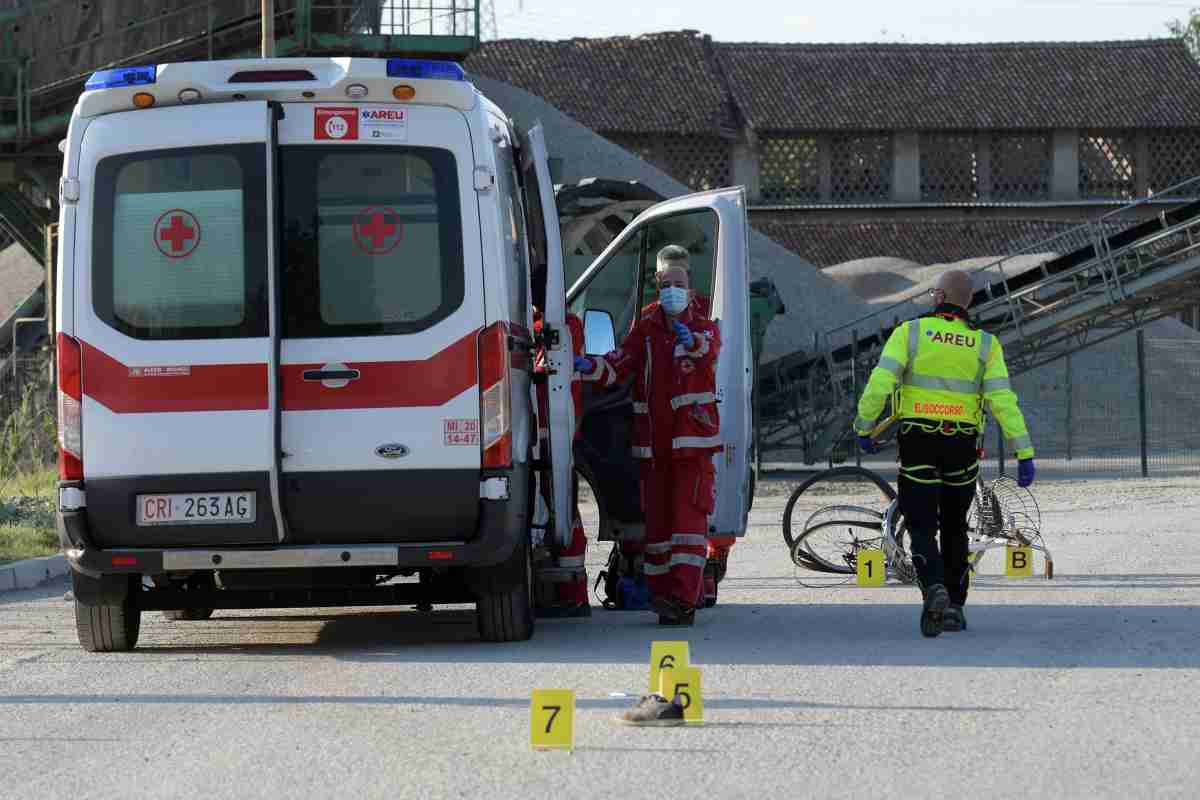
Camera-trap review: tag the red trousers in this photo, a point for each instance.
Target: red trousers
(677, 497)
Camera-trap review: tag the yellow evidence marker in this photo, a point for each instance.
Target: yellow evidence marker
(666, 656)
(871, 571)
(684, 682)
(1018, 562)
(552, 719)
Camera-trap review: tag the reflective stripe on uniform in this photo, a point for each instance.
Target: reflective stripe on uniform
(641, 408)
(656, 569)
(696, 398)
(680, 442)
(996, 385)
(658, 547)
(688, 560)
(571, 561)
(914, 340)
(941, 384)
(889, 364)
(641, 452)
(1020, 443)
(689, 539)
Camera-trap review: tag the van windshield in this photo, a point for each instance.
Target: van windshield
(371, 239)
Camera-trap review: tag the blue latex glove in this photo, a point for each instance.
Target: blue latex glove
(584, 364)
(867, 444)
(683, 335)
(1025, 472)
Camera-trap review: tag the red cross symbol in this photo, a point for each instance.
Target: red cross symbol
(176, 233)
(374, 234)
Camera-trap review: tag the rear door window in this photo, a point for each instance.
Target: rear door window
(372, 240)
(179, 243)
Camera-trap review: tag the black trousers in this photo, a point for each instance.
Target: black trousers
(937, 484)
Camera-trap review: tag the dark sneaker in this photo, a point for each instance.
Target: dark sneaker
(933, 610)
(686, 620)
(671, 610)
(954, 619)
(564, 611)
(653, 710)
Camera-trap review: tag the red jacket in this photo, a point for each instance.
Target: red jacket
(674, 396)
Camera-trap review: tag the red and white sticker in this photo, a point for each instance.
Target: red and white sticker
(176, 233)
(387, 123)
(462, 432)
(377, 230)
(339, 124)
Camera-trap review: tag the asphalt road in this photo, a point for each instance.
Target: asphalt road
(1084, 686)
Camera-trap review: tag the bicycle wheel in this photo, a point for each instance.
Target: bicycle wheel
(834, 536)
(847, 486)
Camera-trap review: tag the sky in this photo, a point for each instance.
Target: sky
(912, 21)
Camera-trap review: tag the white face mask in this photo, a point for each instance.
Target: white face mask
(674, 299)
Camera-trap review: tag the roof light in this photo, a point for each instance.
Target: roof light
(272, 76)
(124, 76)
(143, 99)
(356, 91)
(403, 92)
(189, 95)
(430, 70)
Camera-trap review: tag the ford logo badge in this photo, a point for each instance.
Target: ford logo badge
(392, 451)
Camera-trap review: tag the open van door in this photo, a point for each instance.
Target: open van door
(539, 190)
(610, 295)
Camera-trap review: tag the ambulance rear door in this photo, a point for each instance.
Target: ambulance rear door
(539, 189)
(382, 311)
(171, 311)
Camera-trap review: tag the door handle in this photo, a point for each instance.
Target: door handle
(332, 374)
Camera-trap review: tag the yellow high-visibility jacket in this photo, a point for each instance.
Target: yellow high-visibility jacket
(947, 371)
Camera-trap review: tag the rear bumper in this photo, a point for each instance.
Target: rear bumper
(502, 524)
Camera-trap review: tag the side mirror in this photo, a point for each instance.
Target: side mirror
(598, 333)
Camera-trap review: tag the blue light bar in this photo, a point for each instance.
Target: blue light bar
(431, 70)
(123, 76)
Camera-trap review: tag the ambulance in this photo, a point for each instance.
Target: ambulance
(295, 344)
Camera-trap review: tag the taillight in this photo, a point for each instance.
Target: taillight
(495, 388)
(70, 409)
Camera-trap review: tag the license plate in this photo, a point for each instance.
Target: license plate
(214, 508)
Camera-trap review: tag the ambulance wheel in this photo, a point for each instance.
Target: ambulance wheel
(108, 629)
(504, 609)
(188, 614)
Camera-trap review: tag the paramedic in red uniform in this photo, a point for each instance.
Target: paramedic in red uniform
(671, 353)
(701, 306)
(572, 595)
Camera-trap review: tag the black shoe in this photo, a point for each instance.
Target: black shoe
(672, 612)
(653, 710)
(933, 610)
(564, 611)
(954, 619)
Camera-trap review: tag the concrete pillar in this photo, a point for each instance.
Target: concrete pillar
(744, 170)
(825, 166)
(1064, 184)
(906, 167)
(1141, 166)
(983, 165)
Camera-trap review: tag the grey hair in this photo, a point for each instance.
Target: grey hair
(672, 256)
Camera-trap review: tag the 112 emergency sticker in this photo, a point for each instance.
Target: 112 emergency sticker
(339, 124)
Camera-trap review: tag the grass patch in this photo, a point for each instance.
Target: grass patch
(27, 516)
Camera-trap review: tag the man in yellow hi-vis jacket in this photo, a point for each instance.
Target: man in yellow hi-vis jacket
(948, 373)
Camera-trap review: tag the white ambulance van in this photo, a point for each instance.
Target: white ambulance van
(295, 350)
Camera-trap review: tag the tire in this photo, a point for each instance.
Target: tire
(790, 533)
(187, 614)
(108, 629)
(506, 614)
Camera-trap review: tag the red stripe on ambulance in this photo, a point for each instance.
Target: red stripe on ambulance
(433, 381)
(147, 390)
